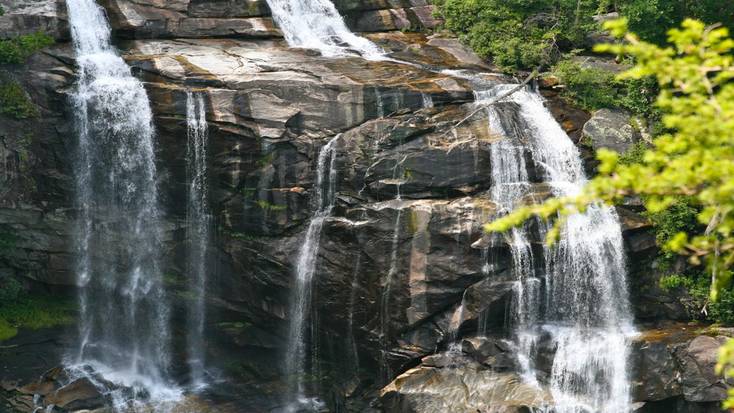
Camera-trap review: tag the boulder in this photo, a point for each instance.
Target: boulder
(697, 360)
(78, 395)
(462, 386)
(611, 129)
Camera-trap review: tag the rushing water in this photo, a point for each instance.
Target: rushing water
(198, 223)
(510, 182)
(300, 306)
(124, 310)
(587, 315)
(316, 24)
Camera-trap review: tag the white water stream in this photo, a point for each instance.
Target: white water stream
(198, 224)
(587, 315)
(316, 24)
(324, 197)
(124, 311)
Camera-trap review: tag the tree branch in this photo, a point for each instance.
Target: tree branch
(524, 83)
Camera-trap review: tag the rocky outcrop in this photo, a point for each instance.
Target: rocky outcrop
(30, 16)
(611, 129)
(675, 366)
(251, 19)
(451, 382)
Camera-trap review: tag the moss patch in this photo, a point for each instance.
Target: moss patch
(34, 313)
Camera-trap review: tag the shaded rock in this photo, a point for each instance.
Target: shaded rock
(77, 395)
(699, 380)
(611, 129)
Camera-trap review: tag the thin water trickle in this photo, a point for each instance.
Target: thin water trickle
(124, 311)
(316, 24)
(198, 224)
(392, 272)
(300, 306)
(427, 100)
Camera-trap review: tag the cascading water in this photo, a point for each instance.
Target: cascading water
(510, 182)
(587, 315)
(316, 24)
(198, 220)
(300, 305)
(124, 333)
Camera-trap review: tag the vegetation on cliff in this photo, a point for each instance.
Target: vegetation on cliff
(524, 34)
(31, 312)
(14, 101)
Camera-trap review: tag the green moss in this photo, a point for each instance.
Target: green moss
(34, 313)
(7, 331)
(268, 206)
(14, 101)
(16, 51)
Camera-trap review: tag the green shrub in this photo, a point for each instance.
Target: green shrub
(634, 154)
(520, 34)
(681, 216)
(16, 51)
(594, 88)
(670, 282)
(15, 102)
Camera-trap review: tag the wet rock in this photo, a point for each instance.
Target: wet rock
(77, 395)
(674, 366)
(462, 387)
(611, 129)
(699, 380)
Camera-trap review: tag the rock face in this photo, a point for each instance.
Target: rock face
(403, 267)
(675, 366)
(459, 385)
(611, 129)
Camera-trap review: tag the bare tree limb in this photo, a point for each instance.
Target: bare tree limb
(524, 83)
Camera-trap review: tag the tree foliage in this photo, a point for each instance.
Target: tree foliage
(595, 88)
(524, 34)
(651, 19)
(520, 33)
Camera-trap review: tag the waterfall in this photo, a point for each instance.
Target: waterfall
(510, 182)
(316, 24)
(427, 100)
(124, 312)
(300, 306)
(198, 222)
(587, 313)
